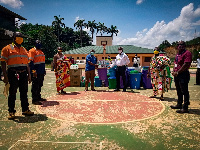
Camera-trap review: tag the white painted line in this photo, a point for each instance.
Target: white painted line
(77, 100)
(13, 145)
(51, 142)
(100, 147)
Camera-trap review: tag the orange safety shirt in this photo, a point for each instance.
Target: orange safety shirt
(37, 60)
(37, 56)
(14, 56)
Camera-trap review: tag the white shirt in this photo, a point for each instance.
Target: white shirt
(121, 60)
(198, 63)
(136, 60)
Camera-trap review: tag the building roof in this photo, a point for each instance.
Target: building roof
(129, 49)
(10, 13)
(86, 50)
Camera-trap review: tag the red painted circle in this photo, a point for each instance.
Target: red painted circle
(101, 107)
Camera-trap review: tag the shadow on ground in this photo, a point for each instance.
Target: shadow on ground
(167, 99)
(71, 93)
(194, 111)
(116, 91)
(31, 119)
(49, 103)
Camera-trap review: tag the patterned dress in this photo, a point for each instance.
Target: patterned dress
(160, 76)
(62, 76)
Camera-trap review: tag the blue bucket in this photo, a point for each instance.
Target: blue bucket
(98, 82)
(135, 79)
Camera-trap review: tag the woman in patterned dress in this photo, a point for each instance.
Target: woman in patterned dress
(160, 78)
(61, 65)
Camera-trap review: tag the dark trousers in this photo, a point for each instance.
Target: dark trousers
(121, 71)
(22, 83)
(89, 75)
(37, 84)
(198, 76)
(181, 82)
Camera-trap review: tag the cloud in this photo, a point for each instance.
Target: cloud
(181, 28)
(76, 19)
(87, 30)
(139, 2)
(12, 3)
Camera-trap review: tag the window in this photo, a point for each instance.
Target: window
(102, 57)
(147, 59)
(83, 57)
(77, 57)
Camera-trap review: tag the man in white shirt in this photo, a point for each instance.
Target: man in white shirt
(136, 61)
(198, 71)
(121, 62)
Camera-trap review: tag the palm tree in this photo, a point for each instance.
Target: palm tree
(112, 30)
(79, 25)
(92, 25)
(101, 28)
(57, 24)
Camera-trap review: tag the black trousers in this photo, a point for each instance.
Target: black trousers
(198, 76)
(22, 83)
(181, 82)
(121, 71)
(37, 84)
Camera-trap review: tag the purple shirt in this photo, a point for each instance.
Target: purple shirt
(180, 59)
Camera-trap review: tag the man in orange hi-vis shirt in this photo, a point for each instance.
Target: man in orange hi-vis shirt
(15, 58)
(37, 68)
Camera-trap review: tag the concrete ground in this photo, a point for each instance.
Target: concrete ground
(102, 120)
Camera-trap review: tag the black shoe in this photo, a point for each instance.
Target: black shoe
(176, 106)
(181, 111)
(116, 90)
(93, 90)
(37, 103)
(43, 99)
(124, 90)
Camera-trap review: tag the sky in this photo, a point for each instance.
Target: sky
(142, 23)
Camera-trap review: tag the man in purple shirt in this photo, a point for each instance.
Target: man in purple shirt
(181, 75)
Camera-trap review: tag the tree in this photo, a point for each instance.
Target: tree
(79, 25)
(164, 45)
(57, 26)
(92, 25)
(112, 30)
(44, 33)
(101, 28)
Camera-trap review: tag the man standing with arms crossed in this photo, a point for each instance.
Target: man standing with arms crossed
(18, 74)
